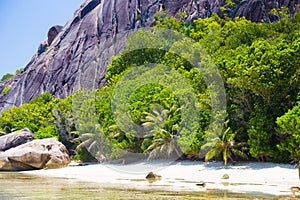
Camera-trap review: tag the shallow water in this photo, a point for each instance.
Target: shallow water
(14, 185)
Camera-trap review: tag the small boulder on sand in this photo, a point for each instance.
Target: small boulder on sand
(151, 177)
(201, 184)
(225, 176)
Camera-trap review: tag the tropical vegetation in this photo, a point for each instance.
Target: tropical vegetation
(8, 76)
(259, 65)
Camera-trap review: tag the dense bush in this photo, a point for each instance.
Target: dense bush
(260, 67)
(6, 77)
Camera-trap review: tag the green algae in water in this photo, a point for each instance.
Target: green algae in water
(22, 186)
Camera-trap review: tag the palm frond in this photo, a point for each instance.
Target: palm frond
(147, 124)
(85, 144)
(94, 147)
(86, 136)
(239, 153)
(211, 143)
(158, 122)
(118, 134)
(153, 146)
(213, 152)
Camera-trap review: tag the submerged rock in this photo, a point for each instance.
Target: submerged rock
(38, 154)
(225, 176)
(151, 177)
(201, 184)
(15, 139)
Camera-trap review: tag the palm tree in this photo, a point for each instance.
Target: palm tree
(94, 140)
(225, 146)
(163, 132)
(87, 125)
(124, 140)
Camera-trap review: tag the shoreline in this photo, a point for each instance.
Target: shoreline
(246, 178)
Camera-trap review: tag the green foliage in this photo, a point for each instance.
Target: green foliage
(224, 146)
(260, 137)
(46, 48)
(19, 70)
(228, 6)
(5, 90)
(147, 95)
(65, 120)
(36, 116)
(47, 132)
(259, 64)
(83, 155)
(289, 129)
(282, 12)
(163, 20)
(6, 77)
(163, 131)
(90, 133)
(260, 67)
(156, 93)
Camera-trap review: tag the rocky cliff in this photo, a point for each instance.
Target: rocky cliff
(75, 56)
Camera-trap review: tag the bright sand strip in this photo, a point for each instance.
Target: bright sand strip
(268, 178)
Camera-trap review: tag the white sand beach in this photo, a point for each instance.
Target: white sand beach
(255, 178)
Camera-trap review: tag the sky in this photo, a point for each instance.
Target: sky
(24, 24)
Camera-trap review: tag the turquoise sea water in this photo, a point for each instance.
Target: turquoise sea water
(14, 185)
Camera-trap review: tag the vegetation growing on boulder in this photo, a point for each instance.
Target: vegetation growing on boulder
(5, 90)
(6, 77)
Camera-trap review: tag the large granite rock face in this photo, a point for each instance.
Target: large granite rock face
(37, 154)
(15, 139)
(258, 10)
(80, 52)
(52, 33)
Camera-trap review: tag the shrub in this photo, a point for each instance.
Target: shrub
(47, 132)
(6, 77)
(4, 91)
